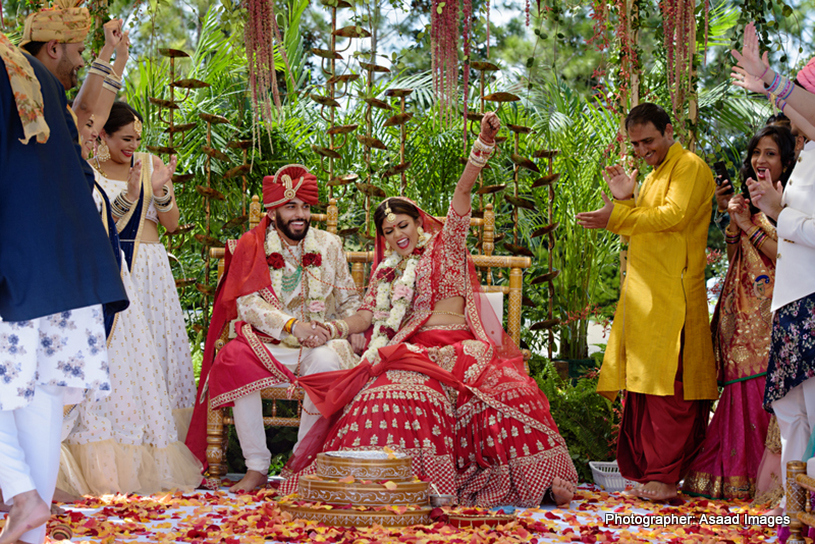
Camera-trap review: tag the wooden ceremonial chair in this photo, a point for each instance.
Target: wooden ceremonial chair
(799, 504)
(359, 260)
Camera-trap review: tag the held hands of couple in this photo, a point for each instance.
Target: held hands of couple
(311, 334)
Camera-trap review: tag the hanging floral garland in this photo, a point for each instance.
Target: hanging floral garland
(444, 32)
(679, 23)
(258, 32)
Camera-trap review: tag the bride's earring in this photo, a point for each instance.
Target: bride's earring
(103, 152)
(420, 230)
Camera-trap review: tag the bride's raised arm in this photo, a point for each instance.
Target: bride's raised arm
(480, 154)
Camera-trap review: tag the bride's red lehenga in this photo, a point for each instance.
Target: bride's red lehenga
(456, 398)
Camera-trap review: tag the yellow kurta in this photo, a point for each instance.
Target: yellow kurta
(664, 290)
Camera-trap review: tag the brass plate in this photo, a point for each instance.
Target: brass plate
(398, 92)
(341, 129)
(240, 144)
(518, 250)
(184, 282)
(190, 84)
(325, 152)
(371, 190)
(182, 178)
(483, 66)
(209, 192)
(214, 153)
(208, 240)
(208, 290)
(520, 202)
(214, 119)
(234, 222)
(520, 129)
(489, 189)
(545, 230)
(378, 103)
(352, 31)
(549, 276)
(502, 97)
(545, 153)
(159, 149)
(237, 171)
(326, 54)
(523, 162)
(396, 169)
(342, 180)
(370, 141)
(180, 128)
(545, 181)
(173, 53)
(160, 102)
(375, 67)
(545, 325)
(345, 78)
(398, 119)
(474, 116)
(324, 100)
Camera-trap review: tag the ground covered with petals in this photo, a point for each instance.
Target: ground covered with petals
(224, 518)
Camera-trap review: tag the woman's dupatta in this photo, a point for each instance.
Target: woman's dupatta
(742, 318)
(131, 224)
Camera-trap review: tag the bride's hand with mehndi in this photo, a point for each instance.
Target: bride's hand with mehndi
(490, 125)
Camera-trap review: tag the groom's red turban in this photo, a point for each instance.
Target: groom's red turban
(291, 181)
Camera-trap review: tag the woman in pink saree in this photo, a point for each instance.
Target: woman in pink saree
(440, 381)
(728, 463)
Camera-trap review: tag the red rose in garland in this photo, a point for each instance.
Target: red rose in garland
(312, 259)
(275, 260)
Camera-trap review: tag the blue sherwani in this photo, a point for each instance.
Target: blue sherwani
(54, 252)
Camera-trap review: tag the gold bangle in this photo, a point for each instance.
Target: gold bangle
(290, 325)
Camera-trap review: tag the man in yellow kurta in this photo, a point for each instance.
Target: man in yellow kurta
(660, 348)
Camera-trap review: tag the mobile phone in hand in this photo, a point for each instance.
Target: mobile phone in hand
(721, 173)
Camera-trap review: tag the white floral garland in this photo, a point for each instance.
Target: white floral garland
(315, 304)
(393, 300)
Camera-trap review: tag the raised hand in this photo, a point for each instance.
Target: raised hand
(598, 219)
(750, 57)
(490, 125)
(766, 195)
(134, 181)
(621, 184)
(745, 80)
(163, 175)
(113, 33)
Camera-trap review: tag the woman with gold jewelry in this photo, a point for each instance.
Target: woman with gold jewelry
(128, 441)
(728, 463)
(440, 380)
(139, 205)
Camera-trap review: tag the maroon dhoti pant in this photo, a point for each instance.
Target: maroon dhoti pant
(660, 436)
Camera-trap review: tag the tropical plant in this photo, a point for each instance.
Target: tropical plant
(585, 134)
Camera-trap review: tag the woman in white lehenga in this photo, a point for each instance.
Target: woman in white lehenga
(133, 440)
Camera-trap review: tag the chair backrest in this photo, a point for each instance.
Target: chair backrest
(360, 260)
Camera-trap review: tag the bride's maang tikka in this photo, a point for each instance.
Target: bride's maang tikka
(389, 215)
